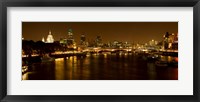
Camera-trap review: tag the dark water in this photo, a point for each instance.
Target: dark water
(102, 67)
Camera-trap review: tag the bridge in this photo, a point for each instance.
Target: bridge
(100, 50)
(68, 54)
(95, 50)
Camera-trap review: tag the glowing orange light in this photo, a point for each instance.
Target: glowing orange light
(176, 59)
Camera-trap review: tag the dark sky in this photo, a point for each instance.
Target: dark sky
(137, 32)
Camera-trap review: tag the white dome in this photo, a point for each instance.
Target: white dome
(50, 38)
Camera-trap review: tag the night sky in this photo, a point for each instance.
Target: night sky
(137, 32)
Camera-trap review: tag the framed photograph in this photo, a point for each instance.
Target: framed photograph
(88, 50)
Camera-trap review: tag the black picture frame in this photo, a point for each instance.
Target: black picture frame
(99, 3)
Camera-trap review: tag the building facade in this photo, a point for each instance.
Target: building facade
(170, 41)
(49, 39)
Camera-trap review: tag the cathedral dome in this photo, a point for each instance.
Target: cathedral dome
(50, 38)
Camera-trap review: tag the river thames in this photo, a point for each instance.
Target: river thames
(127, 66)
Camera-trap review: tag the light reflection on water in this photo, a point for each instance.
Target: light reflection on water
(102, 67)
(151, 71)
(168, 58)
(59, 68)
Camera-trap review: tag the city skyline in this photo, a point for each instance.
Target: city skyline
(100, 51)
(139, 32)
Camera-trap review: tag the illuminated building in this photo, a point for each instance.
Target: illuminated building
(98, 41)
(117, 44)
(70, 34)
(63, 41)
(43, 39)
(70, 39)
(50, 38)
(175, 42)
(153, 42)
(127, 45)
(83, 39)
(170, 41)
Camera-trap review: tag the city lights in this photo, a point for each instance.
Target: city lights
(100, 50)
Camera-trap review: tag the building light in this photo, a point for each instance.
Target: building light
(50, 38)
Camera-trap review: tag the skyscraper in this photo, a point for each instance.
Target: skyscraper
(170, 41)
(98, 41)
(70, 34)
(70, 39)
(83, 38)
